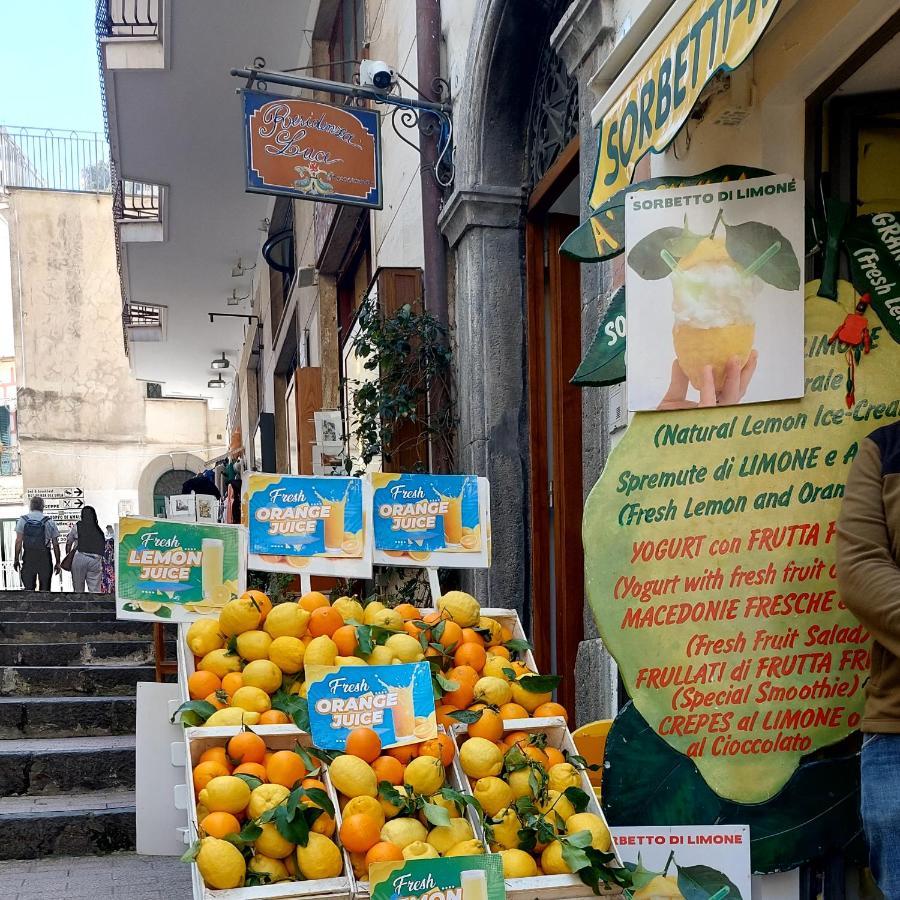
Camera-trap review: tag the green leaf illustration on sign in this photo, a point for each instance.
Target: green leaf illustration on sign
(645, 257)
(604, 362)
(749, 242)
(703, 882)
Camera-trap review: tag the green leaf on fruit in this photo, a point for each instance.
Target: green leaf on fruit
(435, 814)
(193, 712)
(466, 716)
(190, 854)
(577, 797)
(540, 684)
(251, 781)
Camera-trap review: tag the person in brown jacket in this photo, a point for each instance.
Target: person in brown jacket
(868, 570)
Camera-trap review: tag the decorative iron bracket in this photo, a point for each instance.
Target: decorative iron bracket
(428, 116)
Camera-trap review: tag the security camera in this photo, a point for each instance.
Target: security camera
(377, 74)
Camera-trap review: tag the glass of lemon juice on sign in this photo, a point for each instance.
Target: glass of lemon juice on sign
(212, 566)
(474, 884)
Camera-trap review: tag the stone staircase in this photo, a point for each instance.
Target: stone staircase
(68, 672)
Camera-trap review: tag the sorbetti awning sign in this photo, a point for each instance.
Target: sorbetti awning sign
(646, 115)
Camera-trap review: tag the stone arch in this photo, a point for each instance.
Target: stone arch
(157, 467)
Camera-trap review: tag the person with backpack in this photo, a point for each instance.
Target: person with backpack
(37, 545)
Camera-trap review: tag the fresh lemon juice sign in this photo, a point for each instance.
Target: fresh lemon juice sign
(710, 561)
(177, 571)
(397, 702)
(313, 525)
(451, 878)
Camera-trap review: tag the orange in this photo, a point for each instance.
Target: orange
(465, 676)
(471, 636)
(443, 718)
(200, 684)
(261, 600)
(552, 709)
(205, 772)
(388, 769)
(360, 833)
(408, 611)
(500, 650)
(274, 717)
(383, 851)
(325, 620)
(247, 747)
(219, 699)
(513, 711)
(505, 634)
(286, 768)
(314, 600)
(345, 639)
(412, 629)
(251, 768)
(440, 747)
(232, 681)
(536, 754)
(308, 783)
(489, 726)
(516, 737)
(470, 655)
(364, 743)
(215, 754)
(451, 636)
(432, 618)
(218, 824)
(554, 756)
(404, 755)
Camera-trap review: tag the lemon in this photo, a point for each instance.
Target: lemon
(385, 618)
(562, 776)
(518, 864)
(225, 793)
(238, 616)
(506, 829)
(220, 662)
(265, 865)
(600, 838)
(493, 627)
(552, 861)
(520, 783)
(264, 797)
(419, 850)
(460, 607)
(253, 645)
(202, 812)
(709, 250)
(371, 610)
(530, 700)
(660, 887)
(252, 699)
(287, 620)
(495, 666)
(444, 837)
(354, 777)
(556, 804)
(263, 674)
(381, 655)
(349, 661)
(441, 801)
(493, 794)
(271, 843)
(388, 808)
(493, 691)
(425, 775)
(366, 806)
(221, 864)
(321, 651)
(472, 847)
(480, 758)
(405, 647)
(320, 858)
(233, 715)
(403, 832)
(287, 653)
(350, 608)
(203, 637)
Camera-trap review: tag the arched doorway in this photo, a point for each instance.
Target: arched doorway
(168, 472)
(168, 484)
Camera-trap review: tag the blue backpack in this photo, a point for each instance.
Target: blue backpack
(33, 534)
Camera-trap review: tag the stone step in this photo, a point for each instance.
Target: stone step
(95, 653)
(67, 825)
(32, 717)
(66, 765)
(58, 615)
(42, 602)
(52, 632)
(68, 681)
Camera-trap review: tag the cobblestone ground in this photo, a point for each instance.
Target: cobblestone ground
(119, 876)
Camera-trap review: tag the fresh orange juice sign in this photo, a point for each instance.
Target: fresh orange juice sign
(710, 559)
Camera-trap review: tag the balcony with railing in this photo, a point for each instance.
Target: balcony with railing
(130, 33)
(138, 211)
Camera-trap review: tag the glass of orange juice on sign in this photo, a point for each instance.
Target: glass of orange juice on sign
(212, 566)
(334, 523)
(453, 520)
(404, 713)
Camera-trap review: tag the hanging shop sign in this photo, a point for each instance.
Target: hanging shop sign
(395, 701)
(450, 878)
(431, 520)
(312, 151)
(646, 115)
(604, 362)
(177, 571)
(710, 537)
(307, 525)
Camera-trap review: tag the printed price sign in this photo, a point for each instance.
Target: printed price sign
(312, 525)
(177, 571)
(453, 878)
(395, 701)
(431, 520)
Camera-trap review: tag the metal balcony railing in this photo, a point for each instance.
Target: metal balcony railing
(55, 160)
(128, 18)
(10, 461)
(137, 201)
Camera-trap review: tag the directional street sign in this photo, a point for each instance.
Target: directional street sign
(69, 503)
(57, 493)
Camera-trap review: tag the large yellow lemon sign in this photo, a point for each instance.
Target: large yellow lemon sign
(710, 558)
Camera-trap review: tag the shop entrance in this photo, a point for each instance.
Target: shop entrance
(554, 352)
